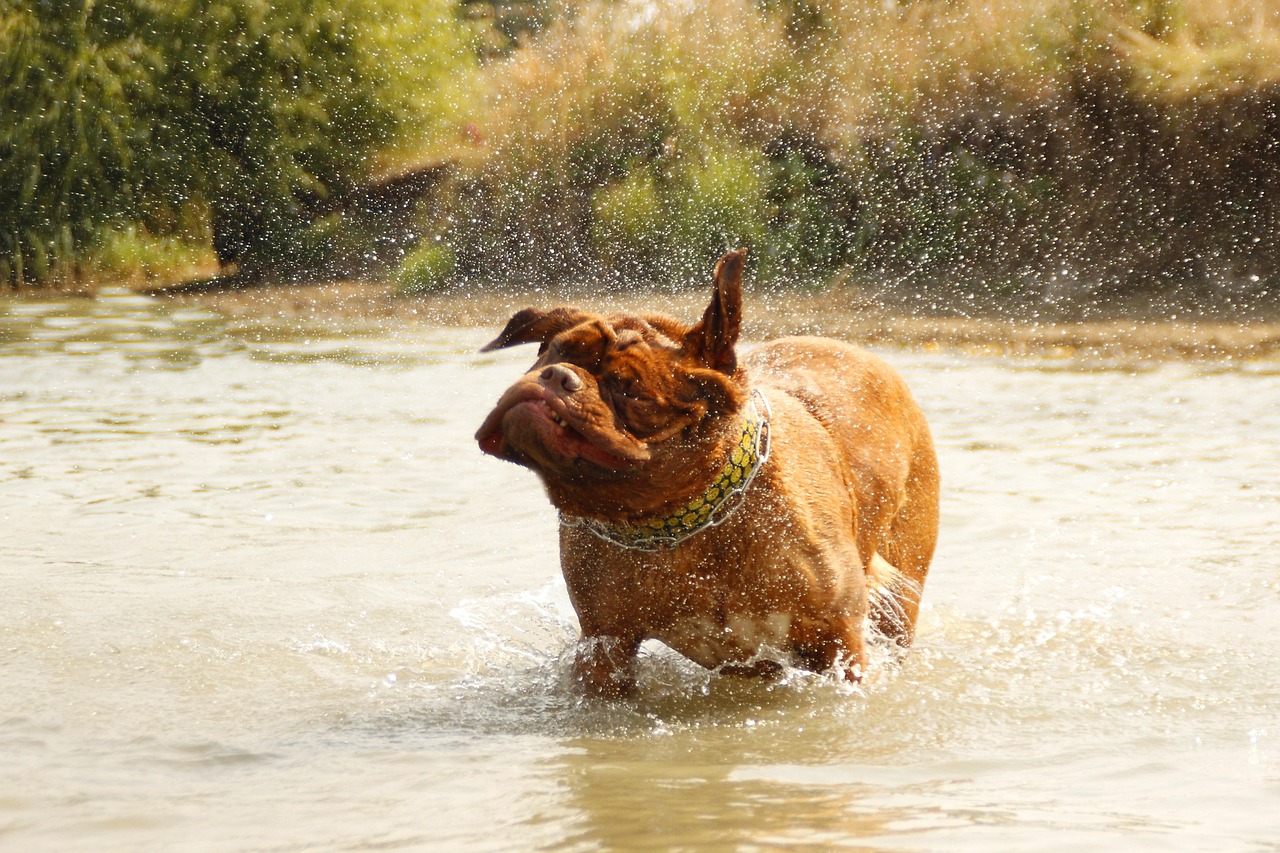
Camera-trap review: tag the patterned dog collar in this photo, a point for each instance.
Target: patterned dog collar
(714, 506)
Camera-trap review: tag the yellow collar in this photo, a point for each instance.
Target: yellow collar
(712, 507)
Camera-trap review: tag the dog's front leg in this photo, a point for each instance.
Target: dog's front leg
(606, 666)
(838, 649)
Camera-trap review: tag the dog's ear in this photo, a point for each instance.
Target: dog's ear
(713, 340)
(531, 325)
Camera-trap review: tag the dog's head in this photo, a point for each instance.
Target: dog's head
(619, 412)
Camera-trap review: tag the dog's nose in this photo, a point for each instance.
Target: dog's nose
(558, 377)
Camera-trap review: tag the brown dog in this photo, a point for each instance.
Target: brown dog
(742, 512)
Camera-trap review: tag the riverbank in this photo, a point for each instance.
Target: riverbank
(848, 313)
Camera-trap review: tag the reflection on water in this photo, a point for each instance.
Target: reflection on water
(262, 592)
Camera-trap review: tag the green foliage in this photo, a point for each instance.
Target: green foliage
(629, 225)
(279, 112)
(924, 208)
(635, 141)
(612, 148)
(130, 252)
(673, 227)
(715, 202)
(263, 113)
(70, 138)
(511, 22)
(935, 138)
(427, 269)
(814, 204)
(285, 102)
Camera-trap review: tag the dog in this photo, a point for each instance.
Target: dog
(747, 512)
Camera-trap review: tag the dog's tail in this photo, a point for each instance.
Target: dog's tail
(886, 585)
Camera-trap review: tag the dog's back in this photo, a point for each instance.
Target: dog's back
(889, 462)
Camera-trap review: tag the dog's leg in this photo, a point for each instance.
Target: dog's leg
(893, 600)
(605, 666)
(841, 649)
(908, 548)
(851, 657)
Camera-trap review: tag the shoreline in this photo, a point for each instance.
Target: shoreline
(848, 314)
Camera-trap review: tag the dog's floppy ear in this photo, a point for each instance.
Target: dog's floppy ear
(531, 325)
(713, 340)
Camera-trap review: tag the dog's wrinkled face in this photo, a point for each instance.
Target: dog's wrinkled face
(617, 399)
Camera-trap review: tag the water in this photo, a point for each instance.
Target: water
(262, 592)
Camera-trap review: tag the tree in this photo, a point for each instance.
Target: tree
(69, 137)
(130, 110)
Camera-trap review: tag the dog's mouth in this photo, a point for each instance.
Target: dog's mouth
(527, 425)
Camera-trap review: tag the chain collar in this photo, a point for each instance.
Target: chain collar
(714, 506)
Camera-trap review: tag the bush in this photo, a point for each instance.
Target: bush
(937, 139)
(611, 142)
(673, 228)
(260, 113)
(814, 206)
(629, 226)
(71, 138)
(612, 138)
(925, 207)
(715, 202)
(131, 253)
(427, 269)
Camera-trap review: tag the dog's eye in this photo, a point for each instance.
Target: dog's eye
(633, 390)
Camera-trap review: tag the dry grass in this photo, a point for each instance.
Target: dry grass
(1120, 140)
(627, 77)
(850, 68)
(1202, 66)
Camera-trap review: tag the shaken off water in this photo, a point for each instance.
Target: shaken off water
(262, 592)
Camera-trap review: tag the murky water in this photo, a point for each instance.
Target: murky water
(262, 592)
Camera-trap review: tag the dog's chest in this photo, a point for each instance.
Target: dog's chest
(736, 639)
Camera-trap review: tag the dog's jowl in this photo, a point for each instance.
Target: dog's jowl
(747, 512)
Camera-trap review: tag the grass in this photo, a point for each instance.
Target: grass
(1132, 143)
(130, 254)
(427, 269)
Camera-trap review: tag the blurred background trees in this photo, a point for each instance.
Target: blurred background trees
(228, 123)
(996, 146)
(1013, 145)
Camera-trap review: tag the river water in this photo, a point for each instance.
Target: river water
(262, 592)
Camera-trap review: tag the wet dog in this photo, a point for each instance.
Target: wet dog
(746, 512)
